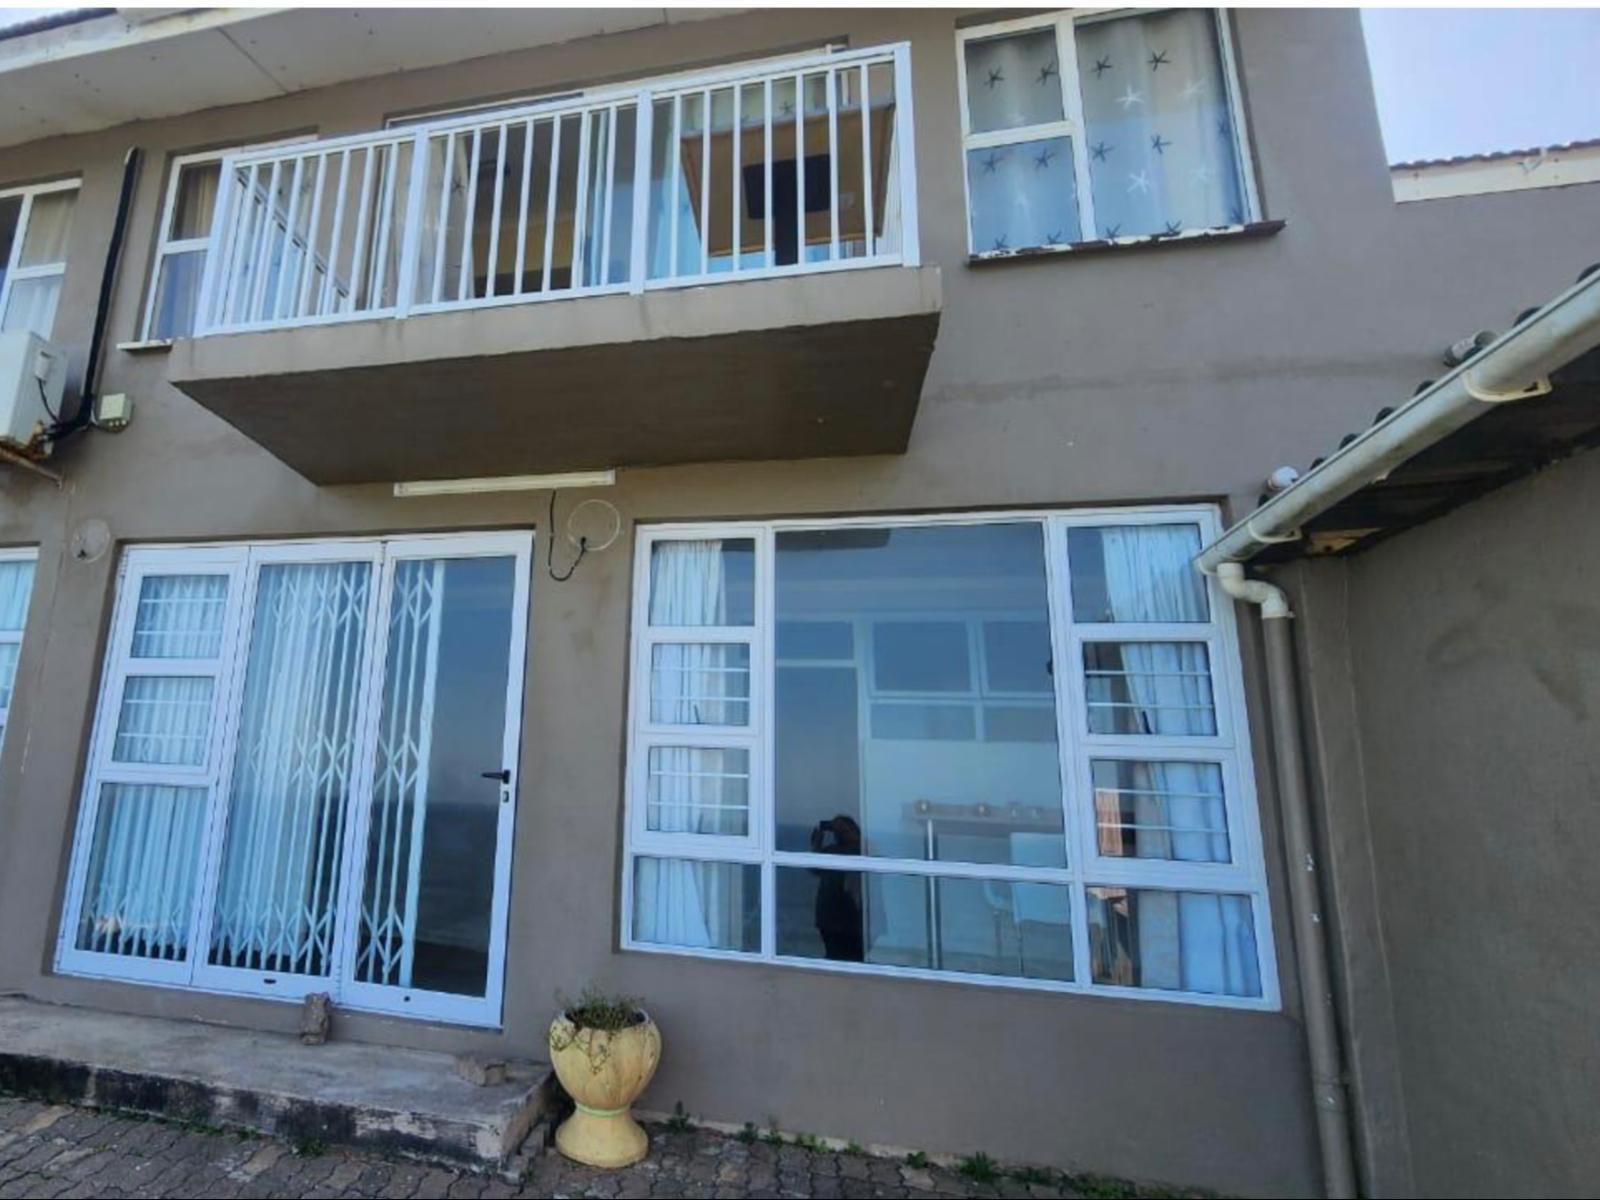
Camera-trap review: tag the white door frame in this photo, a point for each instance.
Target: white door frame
(242, 562)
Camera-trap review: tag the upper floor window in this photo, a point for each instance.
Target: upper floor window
(35, 222)
(180, 257)
(1092, 125)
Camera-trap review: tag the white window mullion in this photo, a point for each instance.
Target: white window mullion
(1072, 99)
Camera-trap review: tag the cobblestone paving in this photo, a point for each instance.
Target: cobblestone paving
(51, 1151)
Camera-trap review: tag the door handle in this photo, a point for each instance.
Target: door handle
(503, 775)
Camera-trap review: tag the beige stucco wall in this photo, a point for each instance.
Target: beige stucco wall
(1173, 373)
(1470, 755)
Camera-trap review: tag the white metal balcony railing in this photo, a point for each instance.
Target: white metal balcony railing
(784, 167)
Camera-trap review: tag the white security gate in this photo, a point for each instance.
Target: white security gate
(302, 773)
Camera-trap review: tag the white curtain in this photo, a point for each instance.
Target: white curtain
(31, 305)
(430, 260)
(1157, 124)
(164, 719)
(276, 897)
(1192, 941)
(679, 902)
(16, 584)
(398, 826)
(139, 891)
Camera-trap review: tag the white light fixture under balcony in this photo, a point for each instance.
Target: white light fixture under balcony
(505, 483)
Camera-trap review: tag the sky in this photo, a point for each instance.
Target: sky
(1455, 81)
(1468, 81)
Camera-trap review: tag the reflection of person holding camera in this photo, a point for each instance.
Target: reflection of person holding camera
(839, 892)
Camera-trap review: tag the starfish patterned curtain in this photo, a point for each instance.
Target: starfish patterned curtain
(1157, 125)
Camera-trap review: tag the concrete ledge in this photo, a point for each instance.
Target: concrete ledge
(795, 367)
(393, 1101)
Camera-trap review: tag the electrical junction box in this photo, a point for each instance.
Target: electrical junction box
(33, 377)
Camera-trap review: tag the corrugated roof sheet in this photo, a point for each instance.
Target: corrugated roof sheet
(1507, 442)
(1495, 155)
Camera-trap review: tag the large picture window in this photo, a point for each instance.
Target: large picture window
(1091, 125)
(302, 775)
(1009, 748)
(35, 223)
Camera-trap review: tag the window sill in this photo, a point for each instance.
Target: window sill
(148, 346)
(1194, 237)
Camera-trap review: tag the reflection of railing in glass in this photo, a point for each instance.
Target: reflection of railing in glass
(792, 167)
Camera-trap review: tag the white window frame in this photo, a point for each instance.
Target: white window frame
(17, 274)
(1245, 875)
(13, 637)
(241, 563)
(1063, 22)
(167, 245)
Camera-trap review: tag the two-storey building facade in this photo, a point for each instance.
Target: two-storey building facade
(584, 486)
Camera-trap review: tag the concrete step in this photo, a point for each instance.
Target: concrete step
(378, 1098)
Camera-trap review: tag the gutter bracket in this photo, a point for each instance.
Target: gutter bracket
(1294, 535)
(1539, 387)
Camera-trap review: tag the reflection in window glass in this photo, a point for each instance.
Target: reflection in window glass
(1136, 573)
(1169, 810)
(1175, 941)
(969, 926)
(1151, 688)
(699, 905)
(911, 774)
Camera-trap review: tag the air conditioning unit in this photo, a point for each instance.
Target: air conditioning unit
(33, 376)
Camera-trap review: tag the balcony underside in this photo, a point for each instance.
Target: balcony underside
(791, 367)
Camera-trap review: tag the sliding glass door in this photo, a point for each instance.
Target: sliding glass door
(303, 773)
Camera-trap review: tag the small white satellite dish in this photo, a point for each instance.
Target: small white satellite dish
(593, 525)
(90, 540)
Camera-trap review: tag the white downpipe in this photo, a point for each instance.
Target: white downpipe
(1269, 597)
(1516, 366)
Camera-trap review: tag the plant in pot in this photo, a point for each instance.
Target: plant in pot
(605, 1050)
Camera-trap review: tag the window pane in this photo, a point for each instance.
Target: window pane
(163, 720)
(703, 583)
(1136, 573)
(32, 305)
(195, 200)
(924, 722)
(1169, 810)
(1149, 688)
(816, 640)
(1157, 124)
(697, 905)
(700, 684)
(10, 213)
(49, 222)
(1176, 941)
(967, 926)
(280, 874)
(921, 656)
(892, 775)
(16, 584)
(698, 789)
(1016, 657)
(177, 296)
(427, 892)
(1013, 81)
(1019, 723)
(9, 652)
(179, 616)
(1023, 195)
(139, 889)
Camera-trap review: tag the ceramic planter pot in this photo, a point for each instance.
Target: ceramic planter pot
(604, 1074)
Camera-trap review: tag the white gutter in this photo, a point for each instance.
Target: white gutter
(1516, 366)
